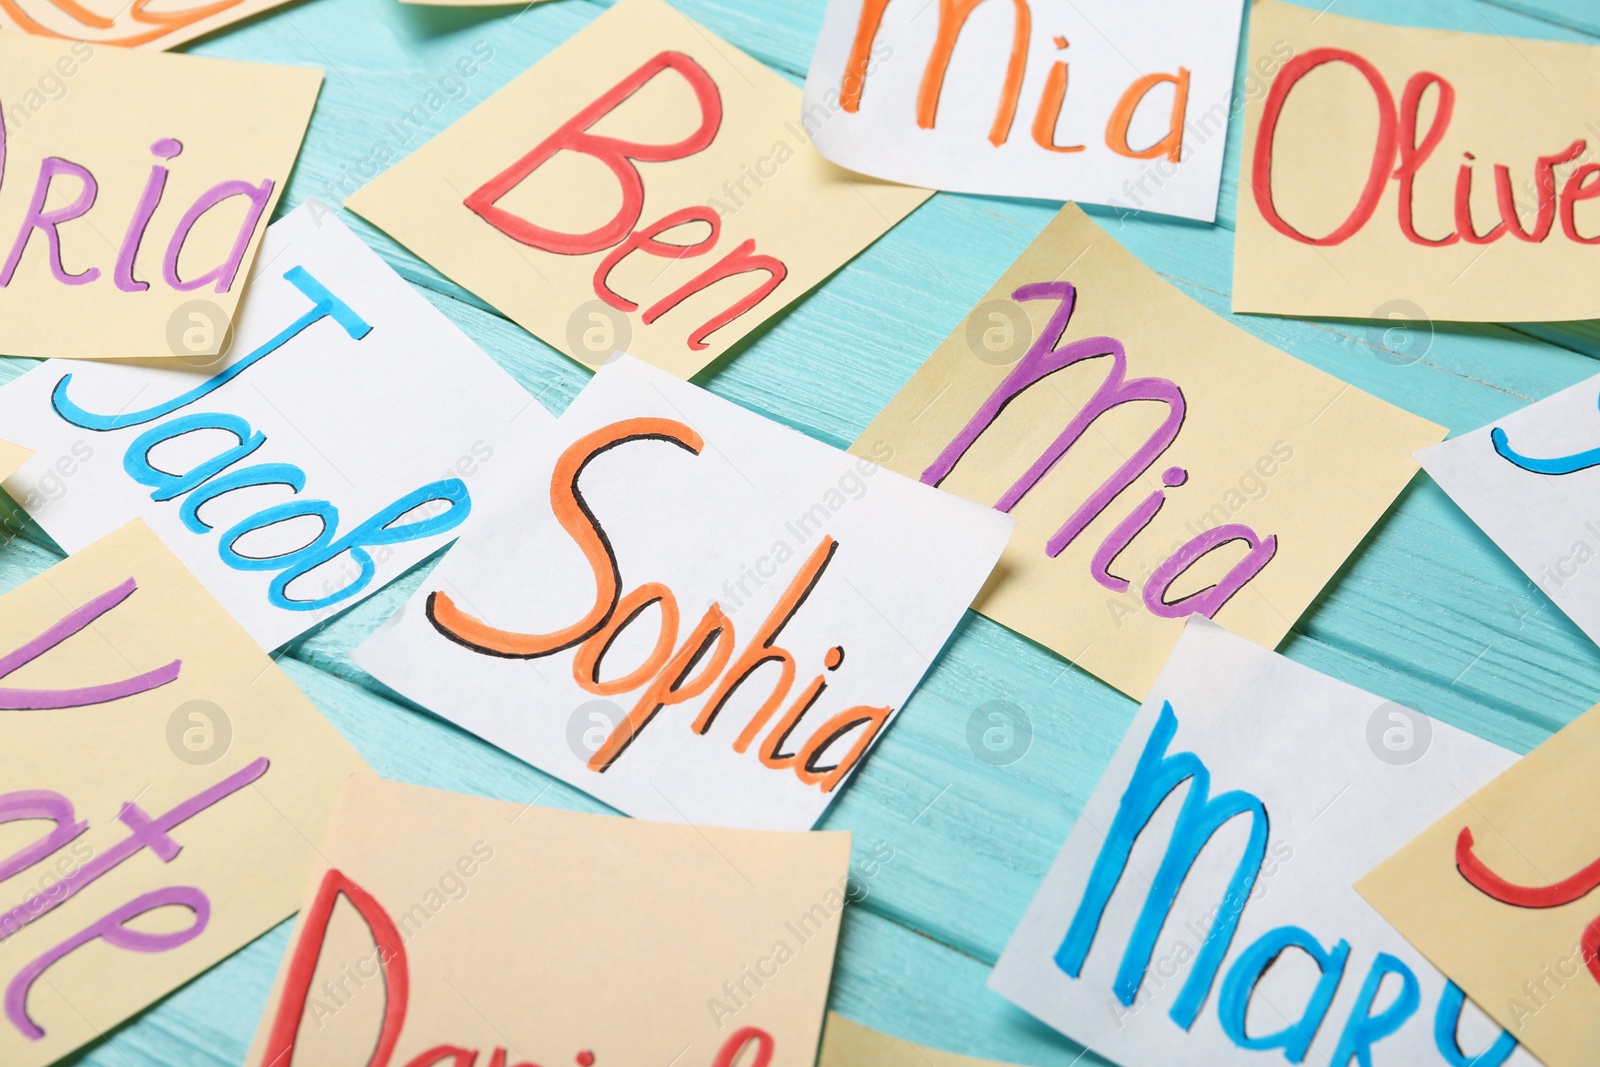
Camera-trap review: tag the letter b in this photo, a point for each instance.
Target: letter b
(617, 154)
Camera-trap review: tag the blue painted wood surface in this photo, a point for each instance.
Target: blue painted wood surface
(1428, 613)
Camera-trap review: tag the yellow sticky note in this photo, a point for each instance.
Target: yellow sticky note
(173, 780)
(134, 190)
(644, 188)
(122, 24)
(11, 457)
(541, 936)
(471, 3)
(1159, 461)
(1499, 895)
(1402, 173)
(849, 1044)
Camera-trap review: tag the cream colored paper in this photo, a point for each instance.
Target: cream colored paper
(849, 1044)
(761, 610)
(1119, 102)
(125, 24)
(1266, 443)
(1525, 106)
(117, 765)
(556, 936)
(1535, 827)
(772, 196)
(160, 136)
(11, 457)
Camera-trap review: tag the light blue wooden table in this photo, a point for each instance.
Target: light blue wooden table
(1428, 613)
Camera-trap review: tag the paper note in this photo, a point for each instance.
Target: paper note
(134, 190)
(1108, 103)
(849, 1044)
(170, 779)
(643, 188)
(11, 457)
(1416, 174)
(1530, 480)
(1224, 487)
(1201, 909)
(687, 610)
(475, 944)
(125, 25)
(316, 461)
(1500, 894)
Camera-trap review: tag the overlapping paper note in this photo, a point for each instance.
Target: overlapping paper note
(687, 610)
(1159, 461)
(644, 188)
(168, 781)
(114, 24)
(11, 457)
(1391, 172)
(1530, 480)
(313, 463)
(849, 1044)
(554, 937)
(1109, 103)
(1500, 894)
(136, 188)
(1201, 910)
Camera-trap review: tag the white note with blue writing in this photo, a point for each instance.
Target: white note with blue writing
(1201, 911)
(343, 436)
(1531, 481)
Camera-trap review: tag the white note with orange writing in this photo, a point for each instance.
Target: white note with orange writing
(1125, 104)
(691, 612)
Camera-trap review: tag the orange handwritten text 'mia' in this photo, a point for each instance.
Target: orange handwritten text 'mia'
(953, 15)
(1398, 155)
(703, 663)
(388, 959)
(622, 234)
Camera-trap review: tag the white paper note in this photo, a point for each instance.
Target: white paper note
(1124, 104)
(689, 611)
(1532, 481)
(1288, 785)
(339, 441)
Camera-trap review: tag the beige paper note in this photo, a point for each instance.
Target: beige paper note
(11, 457)
(1500, 896)
(644, 188)
(1396, 173)
(1159, 461)
(169, 781)
(530, 935)
(134, 190)
(125, 24)
(849, 1044)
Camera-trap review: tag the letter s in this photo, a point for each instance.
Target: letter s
(573, 513)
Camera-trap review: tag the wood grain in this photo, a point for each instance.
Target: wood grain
(1428, 613)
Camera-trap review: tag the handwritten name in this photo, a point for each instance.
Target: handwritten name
(221, 474)
(677, 672)
(1398, 155)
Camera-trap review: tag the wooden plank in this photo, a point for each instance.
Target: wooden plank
(1429, 613)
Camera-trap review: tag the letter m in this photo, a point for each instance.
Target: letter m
(1156, 777)
(1043, 359)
